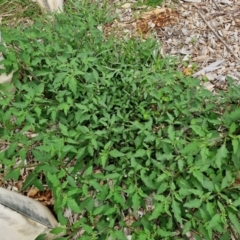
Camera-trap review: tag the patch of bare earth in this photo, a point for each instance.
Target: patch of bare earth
(203, 33)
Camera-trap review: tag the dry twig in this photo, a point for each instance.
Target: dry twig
(220, 39)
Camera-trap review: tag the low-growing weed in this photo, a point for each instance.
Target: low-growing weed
(119, 136)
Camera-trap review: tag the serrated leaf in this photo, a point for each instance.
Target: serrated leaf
(197, 174)
(204, 153)
(233, 115)
(162, 188)
(176, 211)
(208, 184)
(232, 128)
(136, 201)
(98, 210)
(140, 153)
(226, 182)
(71, 181)
(171, 133)
(58, 230)
(236, 203)
(87, 228)
(11, 149)
(164, 233)
(235, 221)
(215, 220)
(103, 159)
(110, 211)
(12, 174)
(192, 148)
(221, 155)
(119, 235)
(22, 153)
(73, 85)
(198, 130)
(187, 227)
(211, 209)
(94, 143)
(88, 204)
(88, 171)
(53, 179)
(41, 237)
(180, 164)
(195, 203)
(63, 129)
(116, 154)
(118, 198)
(29, 181)
(90, 150)
(235, 144)
(147, 181)
(225, 236)
(158, 210)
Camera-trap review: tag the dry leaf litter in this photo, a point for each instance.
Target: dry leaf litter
(202, 33)
(199, 32)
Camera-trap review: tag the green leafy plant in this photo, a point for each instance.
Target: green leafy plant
(118, 134)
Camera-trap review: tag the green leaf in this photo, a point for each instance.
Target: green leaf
(12, 174)
(236, 203)
(63, 129)
(118, 198)
(136, 201)
(198, 130)
(110, 211)
(164, 233)
(98, 210)
(158, 210)
(103, 159)
(232, 116)
(116, 154)
(215, 220)
(11, 149)
(180, 164)
(197, 174)
(147, 181)
(90, 150)
(119, 235)
(176, 211)
(171, 133)
(211, 209)
(88, 171)
(73, 85)
(81, 152)
(53, 179)
(87, 228)
(195, 203)
(235, 144)
(232, 128)
(22, 153)
(29, 181)
(222, 153)
(58, 230)
(88, 204)
(187, 227)
(71, 181)
(140, 153)
(41, 237)
(235, 221)
(225, 236)
(191, 148)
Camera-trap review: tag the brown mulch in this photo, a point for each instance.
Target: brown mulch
(204, 34)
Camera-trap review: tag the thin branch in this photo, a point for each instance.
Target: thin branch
(215, 33)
